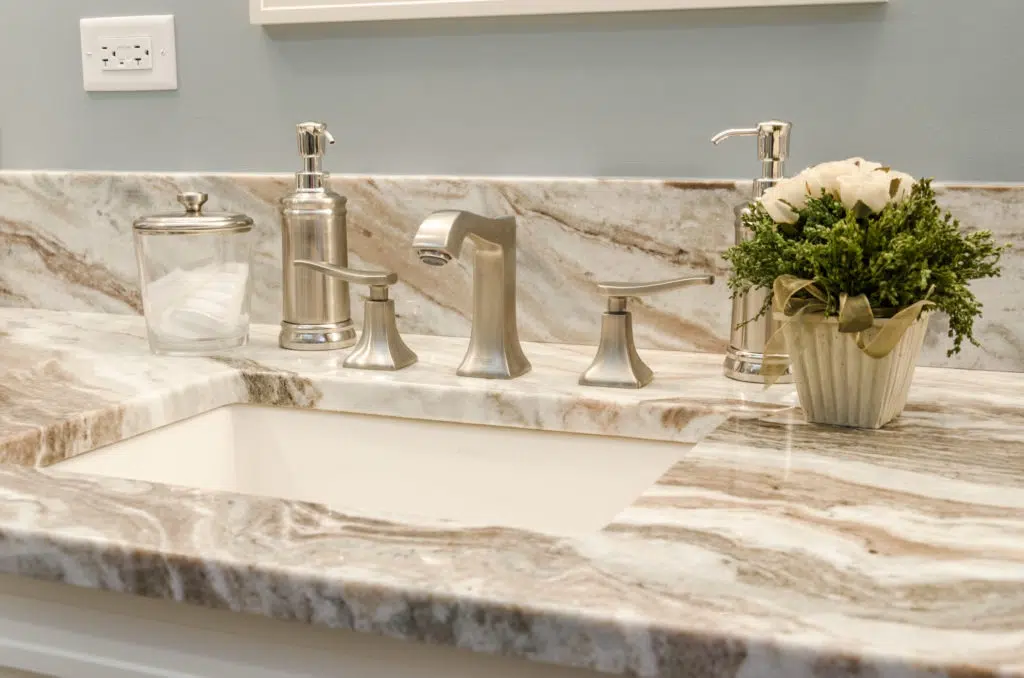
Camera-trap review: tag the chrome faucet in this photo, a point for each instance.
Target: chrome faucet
(494, 351)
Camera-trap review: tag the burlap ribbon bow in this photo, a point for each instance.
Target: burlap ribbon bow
(855, 317)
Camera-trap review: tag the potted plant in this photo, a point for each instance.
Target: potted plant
(858, 257)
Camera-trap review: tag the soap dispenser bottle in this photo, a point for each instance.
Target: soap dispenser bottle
(317, 315)
(746, 359)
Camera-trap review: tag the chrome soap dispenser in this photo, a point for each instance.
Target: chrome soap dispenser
(746, 357)
(317, 315)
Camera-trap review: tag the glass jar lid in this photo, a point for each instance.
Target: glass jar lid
(194, 220)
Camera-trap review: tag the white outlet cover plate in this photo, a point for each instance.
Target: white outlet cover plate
(160, 31)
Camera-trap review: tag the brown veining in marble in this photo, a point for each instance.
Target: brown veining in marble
(272, 387)
(613, 235)
(676, 417)
(672, 324)
(22, 448)
(16, 299)
(67, 266)
(91, 429)
(49, 426)
(703, 185)
(776, 490)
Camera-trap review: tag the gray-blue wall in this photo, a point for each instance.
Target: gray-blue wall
(930, 86)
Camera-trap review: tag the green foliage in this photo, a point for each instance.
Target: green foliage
(907, 252)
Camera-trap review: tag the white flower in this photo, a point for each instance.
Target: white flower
(852, 181)
(792, 191)
(875, 189)
(825, 177)
(867, 166)
(784, 198)
(872, 189)
(780, 212)
(906, 184)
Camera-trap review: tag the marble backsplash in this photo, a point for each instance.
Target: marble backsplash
(65, 244)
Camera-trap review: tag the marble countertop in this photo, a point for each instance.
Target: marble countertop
(771, 548)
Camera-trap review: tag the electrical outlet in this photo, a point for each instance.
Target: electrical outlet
(131, 53)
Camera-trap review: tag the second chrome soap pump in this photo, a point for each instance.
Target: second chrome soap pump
(746, 358)
(317, 315)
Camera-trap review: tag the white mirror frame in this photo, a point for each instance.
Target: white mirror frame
(315, 11)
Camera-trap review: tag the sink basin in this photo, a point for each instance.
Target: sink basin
(557, 483)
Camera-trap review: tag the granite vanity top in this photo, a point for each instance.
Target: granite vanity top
(772, 548)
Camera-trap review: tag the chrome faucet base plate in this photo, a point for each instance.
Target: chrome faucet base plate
(617, 364)
(326, 337)
(380, 345)
(493, 371)
(743, 366)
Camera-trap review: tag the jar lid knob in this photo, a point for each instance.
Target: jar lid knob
(193, 201)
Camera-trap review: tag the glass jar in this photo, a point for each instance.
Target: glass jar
(194, 272)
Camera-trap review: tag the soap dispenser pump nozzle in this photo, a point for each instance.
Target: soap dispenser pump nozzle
(772, 150)
(313, 139)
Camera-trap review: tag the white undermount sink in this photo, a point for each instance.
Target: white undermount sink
(558, 483)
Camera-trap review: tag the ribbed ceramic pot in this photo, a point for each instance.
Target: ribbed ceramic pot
(838, 384)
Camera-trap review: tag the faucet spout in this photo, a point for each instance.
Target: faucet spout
(444, 232)
(494, 350)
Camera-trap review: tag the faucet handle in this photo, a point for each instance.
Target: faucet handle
(617, 364)
(618, 293)
(381, 279)
(380, 346)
